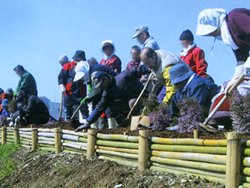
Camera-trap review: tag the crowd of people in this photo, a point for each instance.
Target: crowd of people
(113, 92)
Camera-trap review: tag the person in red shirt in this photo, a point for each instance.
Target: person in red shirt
(7, 95)
(110, 59)
(136, 59)
(193, 55)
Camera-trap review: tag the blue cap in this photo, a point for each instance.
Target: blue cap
(187, 35)
(179, 73)
(5, 102)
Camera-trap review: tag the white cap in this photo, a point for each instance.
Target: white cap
(107, 42)
(82, 70)
(63, 59)
(209, 20)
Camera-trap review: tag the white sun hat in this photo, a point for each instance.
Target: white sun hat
(209, 20)
(82, 70)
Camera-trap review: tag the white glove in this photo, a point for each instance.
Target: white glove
(247, 67)
(240, 68)
(62, 87)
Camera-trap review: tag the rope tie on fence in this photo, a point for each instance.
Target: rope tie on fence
(144, 137)
(94, 135)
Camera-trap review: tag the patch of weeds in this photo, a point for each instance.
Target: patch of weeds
(6, 164)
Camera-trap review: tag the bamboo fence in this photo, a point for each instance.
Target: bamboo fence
(226, 161)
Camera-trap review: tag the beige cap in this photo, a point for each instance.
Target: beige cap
(139, 30)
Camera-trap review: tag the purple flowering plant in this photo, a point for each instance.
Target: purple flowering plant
(191, 114)
(239, 108)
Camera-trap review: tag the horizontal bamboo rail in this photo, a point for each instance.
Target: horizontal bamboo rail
(118, 137)
(177, 172)
(120, 161)
(191, 164)
(195, 149)
(117, 144)
(219, 159)
(192, 170)
(125, 155)
(124, 150)
(187, 141)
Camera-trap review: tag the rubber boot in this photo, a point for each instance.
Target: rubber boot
(112, 123)
(95, 125)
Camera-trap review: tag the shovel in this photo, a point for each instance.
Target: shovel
(205, 123)
(60, 114)
(78, 108)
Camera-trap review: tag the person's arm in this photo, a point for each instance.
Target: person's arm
(138, 71)
(201, 64)
(170, 89)
(103, 104)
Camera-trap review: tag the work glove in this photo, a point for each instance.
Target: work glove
(89, 88)
(240, 68)
(62, 87)
(84, 126)
(16, 92)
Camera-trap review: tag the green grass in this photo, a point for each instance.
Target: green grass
(6, 164)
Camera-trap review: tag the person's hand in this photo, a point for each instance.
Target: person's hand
(143, 79)
(84, 126)
(240, 68)
(62, 87)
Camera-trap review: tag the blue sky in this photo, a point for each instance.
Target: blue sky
(34, 33)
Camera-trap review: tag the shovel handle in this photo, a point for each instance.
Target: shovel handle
(61, 105)
(139, 97)
(223, 99)
(74, 114)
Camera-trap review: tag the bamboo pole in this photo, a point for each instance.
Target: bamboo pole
(117, 144)
(185, 148)
(57, 132)
(4, 136)
(91, 143)
(34, 139)
(177, 172)
(16, 135)
(120, 161)
(124, 150)
(188, 141)
(75, 152)
(190, 164)
(118, 137)
(51, 135)
(125, 155)
(246, 161)
(143, 154)
(46, 139)
(24, 133)
(75, 146)
(219, 159)
(192, 170)
(233, 160)
(195, 134)
(85, 135)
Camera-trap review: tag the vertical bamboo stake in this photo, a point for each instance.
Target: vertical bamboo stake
(233, 160)
(143, 154)
(196, 135)
(34, 139)
(57, 140)
(16, 135)
(4, 136)
(91, 143)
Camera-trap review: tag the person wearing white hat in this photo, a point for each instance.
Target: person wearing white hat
(110, 59)
(63, 59)
(233, 29)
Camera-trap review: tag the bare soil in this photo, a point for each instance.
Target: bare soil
(39, 169)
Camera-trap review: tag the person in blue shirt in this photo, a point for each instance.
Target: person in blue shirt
(4, 112)
(190, 85)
